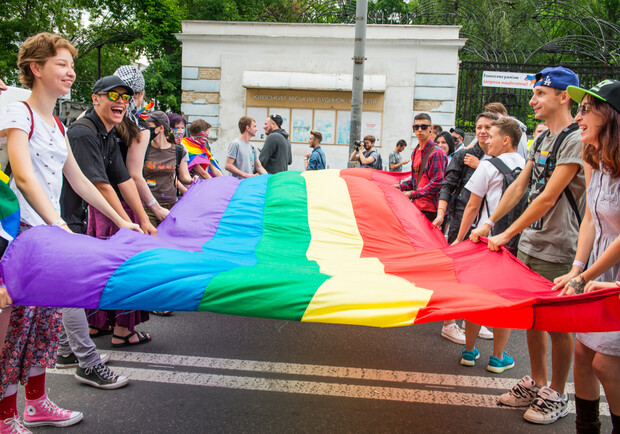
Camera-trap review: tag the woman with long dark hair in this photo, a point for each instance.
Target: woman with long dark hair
(597, 355)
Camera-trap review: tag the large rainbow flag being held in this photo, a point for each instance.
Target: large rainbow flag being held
(335, 246)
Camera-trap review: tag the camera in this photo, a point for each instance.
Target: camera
(359, 144)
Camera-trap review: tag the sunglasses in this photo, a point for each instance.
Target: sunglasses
(583, 109)
(113, 96)
(424, 127)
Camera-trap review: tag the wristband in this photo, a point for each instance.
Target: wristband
(59, 222)
(579, 264)
(490, 223)
(151, 203)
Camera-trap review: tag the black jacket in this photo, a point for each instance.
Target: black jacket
(276, 154)
(456, 176)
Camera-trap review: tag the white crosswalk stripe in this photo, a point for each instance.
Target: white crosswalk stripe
(432, 388)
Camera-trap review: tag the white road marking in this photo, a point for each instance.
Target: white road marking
(404, 394)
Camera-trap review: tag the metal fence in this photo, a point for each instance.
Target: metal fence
(472, 96)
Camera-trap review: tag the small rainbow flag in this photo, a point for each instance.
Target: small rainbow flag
(319, 246)
(199, 154)
(9, 210)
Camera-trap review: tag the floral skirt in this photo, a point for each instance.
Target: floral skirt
(31, 342)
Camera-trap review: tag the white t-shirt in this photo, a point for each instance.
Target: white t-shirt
(48, 153)
(487, 181)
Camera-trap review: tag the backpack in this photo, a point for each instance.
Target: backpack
(547, 169)
(378, 163)
(179, 157)
(8, 170)
(509, 176)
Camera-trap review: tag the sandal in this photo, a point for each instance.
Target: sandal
(142, 339)
(99, 332)
(162, 312)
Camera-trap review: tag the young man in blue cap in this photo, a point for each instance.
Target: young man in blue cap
(549, 230)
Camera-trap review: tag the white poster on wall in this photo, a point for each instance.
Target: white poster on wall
(301, 123)
(371, 125)
(325, 123)
(344, 127)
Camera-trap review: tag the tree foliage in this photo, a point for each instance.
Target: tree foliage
(122, 31)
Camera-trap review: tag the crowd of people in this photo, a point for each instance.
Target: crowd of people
(552, 201)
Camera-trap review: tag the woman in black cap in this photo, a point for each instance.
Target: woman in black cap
(597, 355)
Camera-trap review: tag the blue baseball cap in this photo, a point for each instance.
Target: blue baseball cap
(556, 77)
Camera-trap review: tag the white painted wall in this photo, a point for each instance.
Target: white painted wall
(418, 62)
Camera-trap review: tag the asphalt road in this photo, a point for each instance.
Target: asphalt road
(208, 373)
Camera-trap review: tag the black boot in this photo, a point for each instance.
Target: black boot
(587, 421)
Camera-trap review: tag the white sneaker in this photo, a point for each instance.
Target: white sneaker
(522, 394)
(484, 332)
(548, 407)
(453, 333)
(105, 357)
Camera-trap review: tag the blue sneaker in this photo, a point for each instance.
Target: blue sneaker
(498, 366)
(469, 357)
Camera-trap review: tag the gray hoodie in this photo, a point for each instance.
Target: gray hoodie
(276, 154)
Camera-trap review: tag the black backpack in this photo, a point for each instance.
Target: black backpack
(502, 224)
(378, 163)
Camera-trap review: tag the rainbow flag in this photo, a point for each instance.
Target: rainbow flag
(320, 246)
(9, 210)
(199, 154)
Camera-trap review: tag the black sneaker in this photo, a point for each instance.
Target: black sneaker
(71, 361)
(101, 377)
(68, 361)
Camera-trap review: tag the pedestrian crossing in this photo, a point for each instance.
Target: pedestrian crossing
(321, 380)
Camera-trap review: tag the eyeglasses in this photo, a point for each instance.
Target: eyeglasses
(583, 109)
(113, 96)
(424, 127)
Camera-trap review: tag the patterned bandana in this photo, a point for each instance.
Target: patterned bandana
(134, 78)
(178, 133)
(201, 138)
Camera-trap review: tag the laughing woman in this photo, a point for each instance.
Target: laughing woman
(39, 155)
(597, 355)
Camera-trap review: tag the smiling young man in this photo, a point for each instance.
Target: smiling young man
(96, 150)
(549, 229)
(94, 144)
(97, 153)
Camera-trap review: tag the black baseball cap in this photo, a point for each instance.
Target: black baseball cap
(606, 90)
(277, 119)
(106, 84)
(458, 131)
(160, 118)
